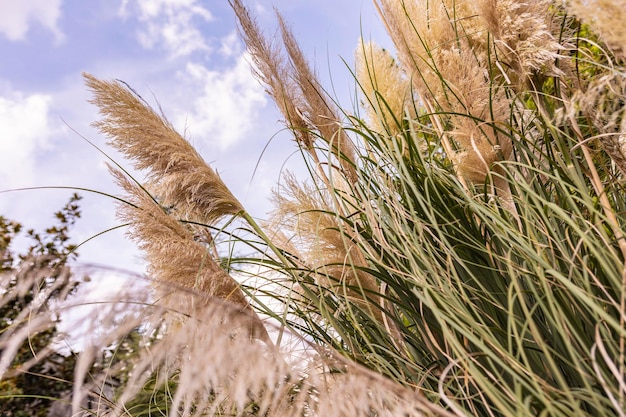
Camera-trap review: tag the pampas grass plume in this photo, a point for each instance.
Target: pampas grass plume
(387, 90)
(177, 174)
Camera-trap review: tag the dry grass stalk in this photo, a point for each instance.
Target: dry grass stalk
(173, 254)
(271, 69)
(177, 174)
(318, 107)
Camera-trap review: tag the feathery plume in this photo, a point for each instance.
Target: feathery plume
(419, 30)
(207, 369)
(477, 112)
(296, 91)
(436, 45)
(323, 241)
(174, 256)
(386, 88)
(203, 366)
(602, 102)
(30, 276)
(606, 17)
(522, 34)
(271, 68)
(177, 174)
(318, 107)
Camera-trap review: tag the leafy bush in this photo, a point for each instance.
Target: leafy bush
(33, 374)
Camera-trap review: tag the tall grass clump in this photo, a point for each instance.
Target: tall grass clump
(457, 249)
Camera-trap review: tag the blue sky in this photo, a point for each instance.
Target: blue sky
(183, 53)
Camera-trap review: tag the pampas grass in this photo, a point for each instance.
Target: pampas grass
(448, 70)
(203, 365)
(306, 107)
(29, 278)
(606, 18)
(176, 173)
(381, 78)
(460, 251)
(184, 184)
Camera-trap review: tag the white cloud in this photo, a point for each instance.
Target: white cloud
(170, 24)
(230, 45)
(16, 17)
(229, 102)
(24, 129)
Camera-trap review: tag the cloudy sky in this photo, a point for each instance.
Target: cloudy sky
(183, 53)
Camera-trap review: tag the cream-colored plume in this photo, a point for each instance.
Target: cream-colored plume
(184, 186)
(306, 107)
(177, 174)
(173, 255)
(450, 77)
(388, 92)
(606, 17)
(522, 32)
(323, 241)
(602, 102)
